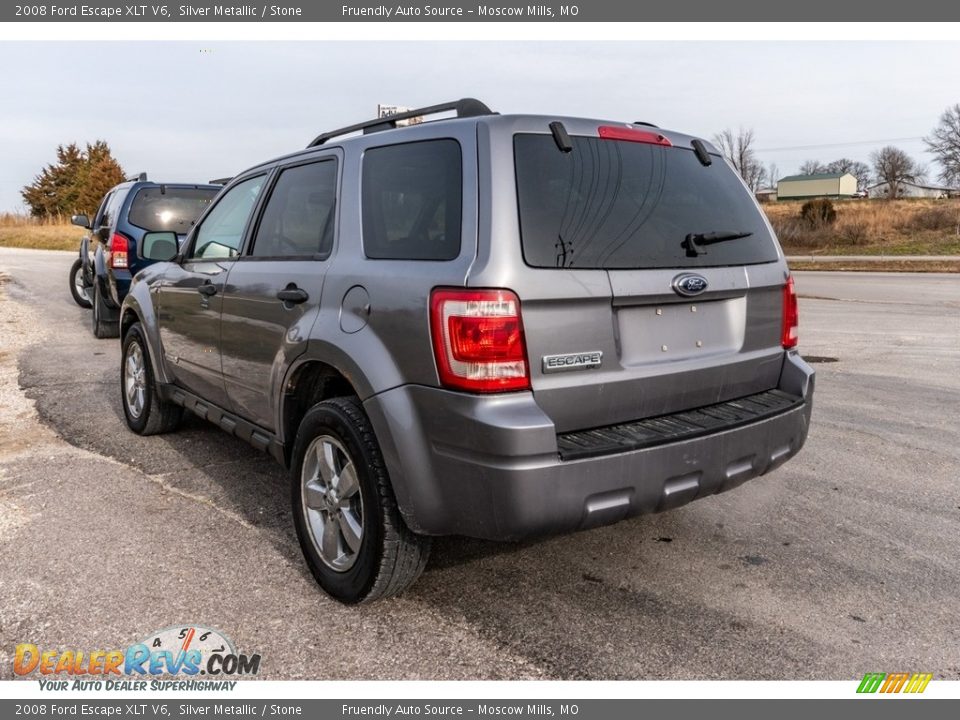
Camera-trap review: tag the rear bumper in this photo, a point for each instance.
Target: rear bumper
(491, 467)
(119, 286)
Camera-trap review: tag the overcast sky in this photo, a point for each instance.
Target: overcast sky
(191, 111)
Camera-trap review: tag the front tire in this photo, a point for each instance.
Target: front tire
(79, 290)
(103, 327)
(145, 411)
(353, 538)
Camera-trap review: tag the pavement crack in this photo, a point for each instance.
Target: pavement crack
(13, 488)
(860, 301)
(66, 383)
(202, 499)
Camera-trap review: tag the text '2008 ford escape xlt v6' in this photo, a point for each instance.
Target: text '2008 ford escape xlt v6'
(492, 326)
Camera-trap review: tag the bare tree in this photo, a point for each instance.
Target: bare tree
(894, 167)
(813, 167)
(944, 144)
(773, 175)
(737, 147)
(860, 170)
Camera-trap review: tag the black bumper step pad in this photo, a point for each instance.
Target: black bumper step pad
(684, 425)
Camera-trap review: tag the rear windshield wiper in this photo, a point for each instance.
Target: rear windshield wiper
(694, 241)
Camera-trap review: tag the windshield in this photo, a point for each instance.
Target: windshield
(612, 204)
(173, 210)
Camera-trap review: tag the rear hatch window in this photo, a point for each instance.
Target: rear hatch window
(615, 204)
(169, 209)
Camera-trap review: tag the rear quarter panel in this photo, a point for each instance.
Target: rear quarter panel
(393, 346)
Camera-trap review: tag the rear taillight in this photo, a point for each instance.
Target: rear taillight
(613, 132)
(118, 251)
(478, 340)
(791, 315)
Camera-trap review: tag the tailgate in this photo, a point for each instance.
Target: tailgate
(610, 223)
(639, 350)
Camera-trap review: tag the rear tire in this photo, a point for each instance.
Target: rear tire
(145, 411)
(79, 290)
(353, 538)
(103, 327)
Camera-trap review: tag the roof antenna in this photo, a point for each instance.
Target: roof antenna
(701, 152)
(561, 137)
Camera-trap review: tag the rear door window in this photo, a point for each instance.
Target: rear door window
(98, 220)
(298, 220)
(111, 208)
(170, 209)
(614, 204)
(412, 201)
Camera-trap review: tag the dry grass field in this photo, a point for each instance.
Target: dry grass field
(28, 232)
(871, 227)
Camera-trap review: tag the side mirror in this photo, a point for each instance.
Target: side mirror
(160, 246)
(81, 220)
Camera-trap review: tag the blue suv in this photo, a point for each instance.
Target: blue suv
(112, 254)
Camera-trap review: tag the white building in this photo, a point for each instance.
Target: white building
(828, 185)
(909, 190)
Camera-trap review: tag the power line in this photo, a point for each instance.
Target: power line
(842, 144)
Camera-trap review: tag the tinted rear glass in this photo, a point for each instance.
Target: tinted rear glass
(612, 204)
(298, 219)
(174, 210)
(412, 198)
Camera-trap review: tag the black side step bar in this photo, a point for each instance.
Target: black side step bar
(261, 439)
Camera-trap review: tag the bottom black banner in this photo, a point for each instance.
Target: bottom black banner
(874, 708)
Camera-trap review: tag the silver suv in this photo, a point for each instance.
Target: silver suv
(498, 326)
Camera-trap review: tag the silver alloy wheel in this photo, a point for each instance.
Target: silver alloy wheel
(332, 502)
(135, 380)
(82, 290)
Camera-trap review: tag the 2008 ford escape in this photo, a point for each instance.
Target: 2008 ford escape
(488, 325)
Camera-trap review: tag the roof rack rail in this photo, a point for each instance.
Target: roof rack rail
(220, 181)
(465, 107)
(142, 177)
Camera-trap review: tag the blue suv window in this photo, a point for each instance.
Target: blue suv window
(412, 201)
(165, 208)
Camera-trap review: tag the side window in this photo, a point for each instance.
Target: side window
(220, 234)
(412, 198)
(109, 217)
(298, 220)
(98, 219)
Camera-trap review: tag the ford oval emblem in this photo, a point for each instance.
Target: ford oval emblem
(689, 284)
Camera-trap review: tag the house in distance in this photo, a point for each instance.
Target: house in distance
(911, 190)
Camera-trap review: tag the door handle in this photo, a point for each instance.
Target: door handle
(293, 295)
(207, 289)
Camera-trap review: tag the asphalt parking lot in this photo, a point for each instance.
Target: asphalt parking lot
(844, 561)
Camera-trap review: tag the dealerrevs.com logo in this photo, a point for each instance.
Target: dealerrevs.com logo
(187, 651)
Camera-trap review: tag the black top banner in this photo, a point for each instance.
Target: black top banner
(472, 11)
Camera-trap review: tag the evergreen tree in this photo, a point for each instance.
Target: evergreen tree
(75, 183)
